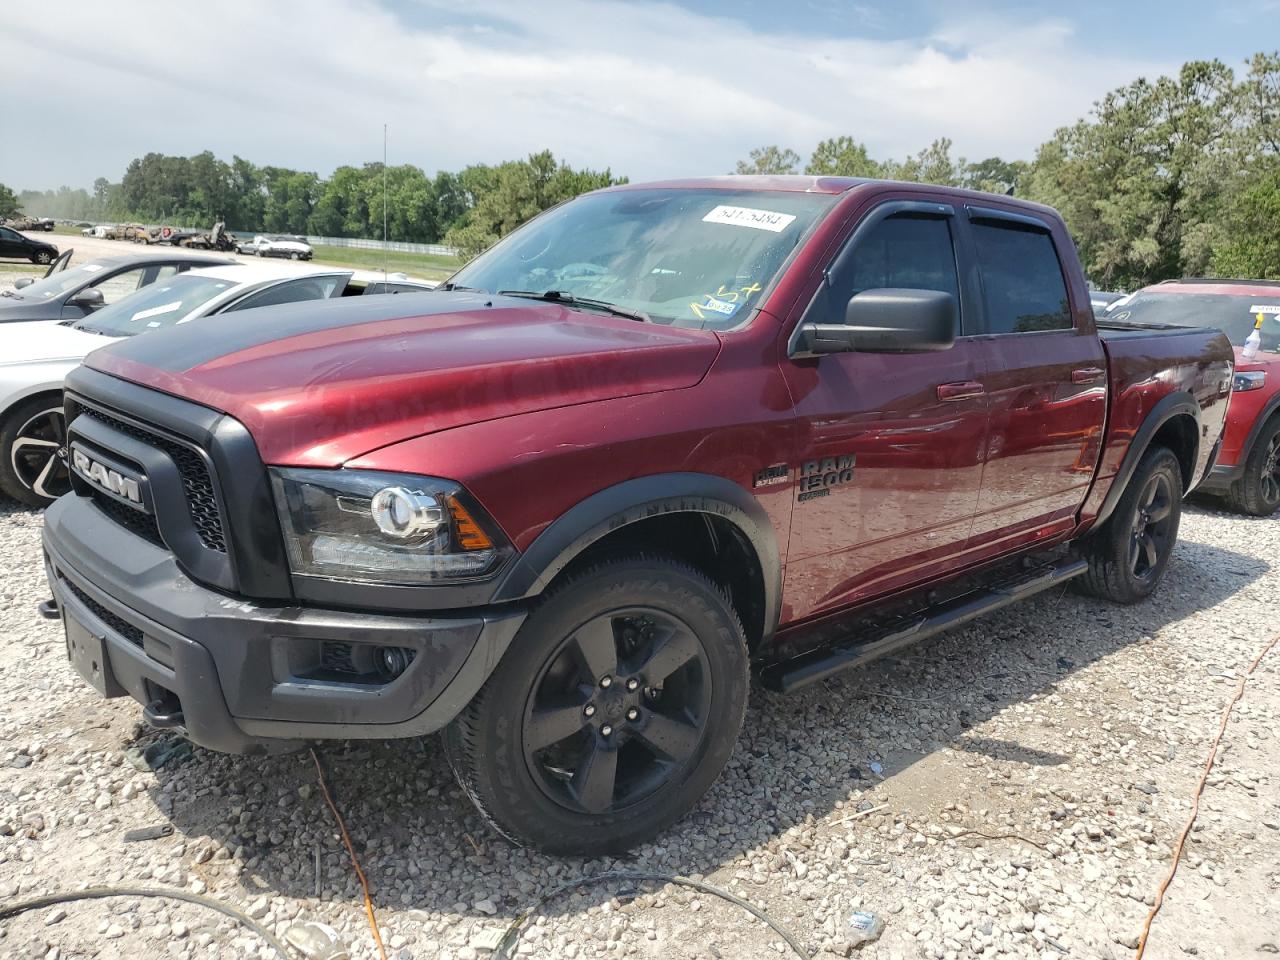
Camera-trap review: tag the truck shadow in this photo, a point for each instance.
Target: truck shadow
(824, 753)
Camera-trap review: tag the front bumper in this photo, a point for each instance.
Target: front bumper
(231, 666)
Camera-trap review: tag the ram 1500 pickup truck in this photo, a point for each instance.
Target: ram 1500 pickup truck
(658, 438)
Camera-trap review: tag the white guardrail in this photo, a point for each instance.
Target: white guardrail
(438, 249)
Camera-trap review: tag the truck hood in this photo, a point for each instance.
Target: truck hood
(41, 340)
(319, 383)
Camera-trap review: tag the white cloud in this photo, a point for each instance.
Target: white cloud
(648, 89)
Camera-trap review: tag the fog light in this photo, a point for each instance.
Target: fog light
(394, 660)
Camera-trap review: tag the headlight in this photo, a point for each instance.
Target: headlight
(1250, 380)
(383, 527)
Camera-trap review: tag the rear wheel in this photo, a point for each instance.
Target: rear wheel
(32, 440)
(1128, 556)
(1257, 492)
(613, 712)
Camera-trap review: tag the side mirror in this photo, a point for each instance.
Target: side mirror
(888, 320)
(88, 299)
(23, 282)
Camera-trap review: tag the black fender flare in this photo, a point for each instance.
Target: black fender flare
(633, 500)
(1174, 405)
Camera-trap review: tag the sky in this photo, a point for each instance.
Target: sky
(647, 89)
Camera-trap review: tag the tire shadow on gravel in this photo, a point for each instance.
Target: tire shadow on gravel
(809, 756)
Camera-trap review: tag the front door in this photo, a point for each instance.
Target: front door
(892, 444)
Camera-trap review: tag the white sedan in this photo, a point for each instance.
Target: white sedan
(263, 246)
(36, 356)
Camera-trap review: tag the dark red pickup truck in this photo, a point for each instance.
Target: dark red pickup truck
(658, 438)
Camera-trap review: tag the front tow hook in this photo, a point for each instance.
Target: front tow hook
(163, 714)
(49, 609)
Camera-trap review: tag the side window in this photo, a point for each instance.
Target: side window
(7, 234)
(168, 270)
(120, 285)
(906, 250)
(295, 291)
(1023, 290)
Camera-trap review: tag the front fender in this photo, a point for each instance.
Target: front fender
(615, 507)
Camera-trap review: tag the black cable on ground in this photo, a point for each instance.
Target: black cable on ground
(101, 893)
(512, 933)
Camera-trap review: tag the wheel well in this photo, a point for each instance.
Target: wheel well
(1181, 435)
(43, 395)
(710, 544)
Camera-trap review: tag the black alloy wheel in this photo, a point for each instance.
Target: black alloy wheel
(1151, 524)
(618, 711)
(611, 713)
(43, 257)
(37, 456)
(1270, 478)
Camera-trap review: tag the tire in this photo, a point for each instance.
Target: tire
(294, 255)
(31, 436)
(1257, 492)
(42, 257)
(619, 757)
(1128, 555)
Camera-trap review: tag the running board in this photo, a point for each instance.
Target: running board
(788, 676)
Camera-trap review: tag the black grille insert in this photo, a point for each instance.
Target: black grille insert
(142, 524)
(196, 482)
(118, 624)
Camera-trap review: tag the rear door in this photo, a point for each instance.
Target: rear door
(891, 444)
(12, 243)
(1046, 382)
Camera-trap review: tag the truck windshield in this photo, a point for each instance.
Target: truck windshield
(162, 304)
(1233, 314)
(693, 258)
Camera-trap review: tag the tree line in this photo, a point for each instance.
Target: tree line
(1168, 178)
(1179, 176)
(469, 209)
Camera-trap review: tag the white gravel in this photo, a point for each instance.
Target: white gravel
(1074, 730)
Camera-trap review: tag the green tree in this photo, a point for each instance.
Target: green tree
(769, 160)
(1250, 244)
(513, 192)
(933, 164)
(842, 157)
(994, 175)
(8, 202)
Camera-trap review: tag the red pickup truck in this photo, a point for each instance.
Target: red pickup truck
(658, 438)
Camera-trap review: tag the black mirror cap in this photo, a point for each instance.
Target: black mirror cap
(897, 320)
(886, 320)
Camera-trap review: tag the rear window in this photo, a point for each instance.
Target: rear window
(1023, 290)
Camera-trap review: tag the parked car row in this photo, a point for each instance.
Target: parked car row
(121, 297)
(293, 248)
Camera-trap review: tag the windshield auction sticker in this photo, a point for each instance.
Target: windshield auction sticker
(750, 217)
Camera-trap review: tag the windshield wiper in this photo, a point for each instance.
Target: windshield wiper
(452, 287)
(561, 296)
(10, 293)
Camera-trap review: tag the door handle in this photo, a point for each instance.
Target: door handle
(960, 390)
(1086, 374)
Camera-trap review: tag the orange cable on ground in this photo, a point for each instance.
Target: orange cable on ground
(1195, 800)
(355, 862)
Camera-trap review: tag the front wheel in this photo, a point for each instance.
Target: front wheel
(42, 257)
(1257, 492)
(614, 710)
(1128, 555)
(294, 255)
(32, 438)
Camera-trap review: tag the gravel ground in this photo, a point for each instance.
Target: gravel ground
(1070, 732)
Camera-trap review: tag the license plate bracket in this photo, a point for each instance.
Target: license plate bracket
(87, 652)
